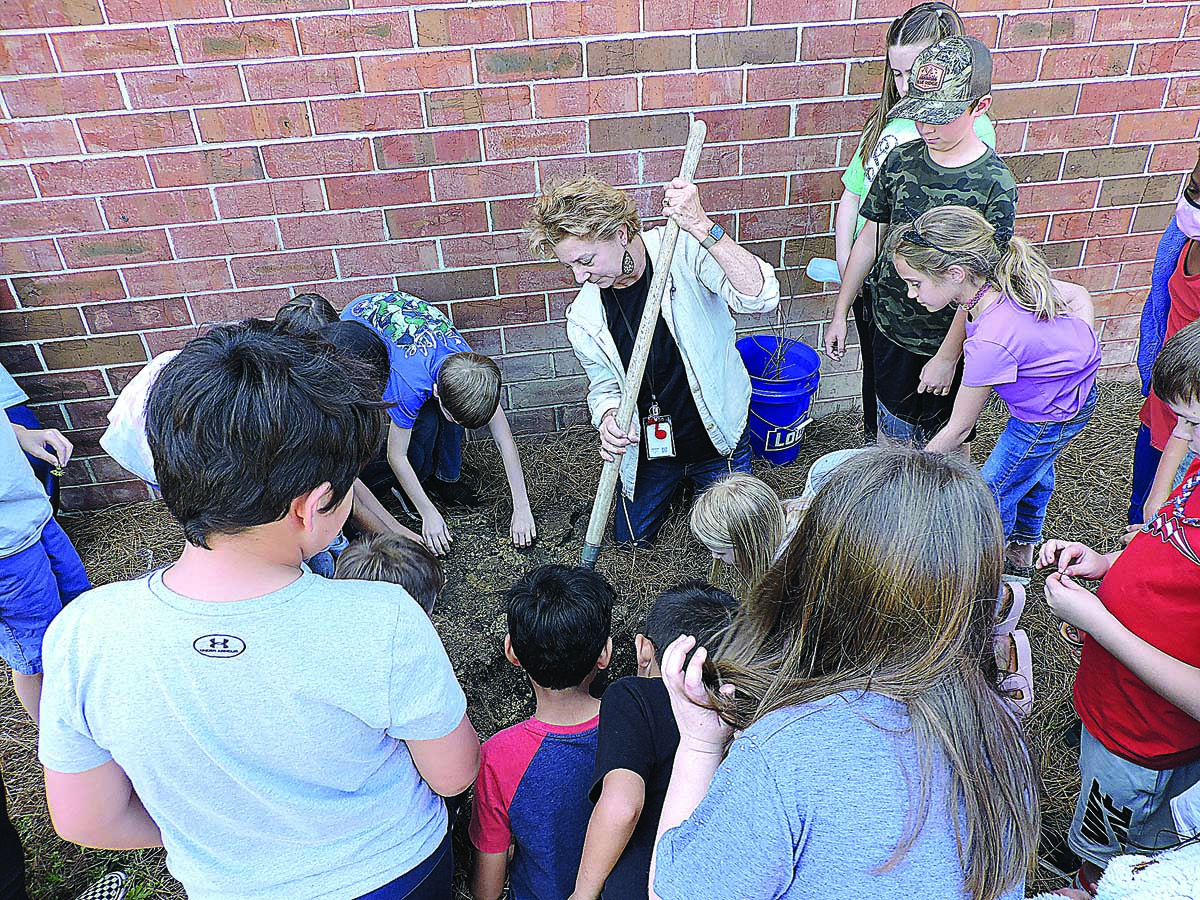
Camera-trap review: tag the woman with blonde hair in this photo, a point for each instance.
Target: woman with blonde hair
(1030, 338)
(693, 402)
(874, 756)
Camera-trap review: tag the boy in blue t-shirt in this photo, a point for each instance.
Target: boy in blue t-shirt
(531, 795)
(437, 387)
(637, 744)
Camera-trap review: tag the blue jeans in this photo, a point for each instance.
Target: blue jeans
(641, 519)
(435, 447)
(1145, 464)
(1020, 470)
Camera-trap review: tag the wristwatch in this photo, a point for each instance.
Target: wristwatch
(714, 234)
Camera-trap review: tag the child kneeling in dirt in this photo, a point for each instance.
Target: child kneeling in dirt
(1138, 750)
(531, 796)
(637, 744)
(283, 735)
(395, 559)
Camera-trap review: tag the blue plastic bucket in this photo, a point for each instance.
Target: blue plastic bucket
(783, 382)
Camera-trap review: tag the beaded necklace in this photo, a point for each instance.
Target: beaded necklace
(1170, 528)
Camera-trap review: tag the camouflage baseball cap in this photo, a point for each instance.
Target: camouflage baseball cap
(946, 79)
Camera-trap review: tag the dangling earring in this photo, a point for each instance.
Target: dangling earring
(627, 264)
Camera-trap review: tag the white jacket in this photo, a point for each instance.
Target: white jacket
(696, 307)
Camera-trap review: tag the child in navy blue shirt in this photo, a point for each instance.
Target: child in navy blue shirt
(531, 794)
(637, 746)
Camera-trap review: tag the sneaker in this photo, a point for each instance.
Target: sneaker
(112, 886)
(456, 493)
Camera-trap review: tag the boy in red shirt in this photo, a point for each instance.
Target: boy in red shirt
(1137, 750)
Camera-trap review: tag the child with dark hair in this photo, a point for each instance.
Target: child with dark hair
(281, 734)
(437, 387)
(396, 559)
(531, 808)
(305, 312)
(637, 745)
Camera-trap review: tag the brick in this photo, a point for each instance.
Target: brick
(666, 130)
(594, 96)
(1105, 161)
(866, 76)
(270, 198)
(375, 190)
(779, 223)
(253, 39)
(94, 351)
(1136, 128)
(1055, 134)
(520, 368)
(747, 124)
(842, 41)
(70, 288)
(259, 122)
(531, 421)
(430, 220)
(1135, 274)
(471, 182)
(387, 259)
(1015, 66)
(330, 229)
(728, 49)
(660, 166)
(1166, 58)
(777, 12)
(1037, 198)
(196, 86)
(467, 26)
(55, 386)
(137, 131)
(1034, 167)
(268, 7)
(62, 95)
(802, 82)
(317, 158)
(383, 112)
(115, 248)
(811, 187)
(40, 325)
(1010, 137)
(51, 13)
(745, 193)
(1175, 157)
(833, 117)
(555, 390)
(573, 19)
(225, 239)
(19, 359)
(29, 256)
(688, 15)
(158, 208)
(92, 176)
(283, 268)
(530, 62)
(1153, 218)
(1133, 247)
(522, 338)
(205, 167)
(1063, 254)
(1144, 23)
(628, 57)
(511, 213)
(1040, 29)
(791, 155)
(692, 90)
(461, 252)
(32, 139)
(416, 71)
(1028, 102)
(229, 306)
(520, 141)
(124, 11)
(403, 151)
(100, 496)
(168, 279)
(25, 54)
(123, 48)
(355, 33)
(615, 169)
(1139, 190)
(1032, 228)
(527, 277)
(342, 291)
(42, 217)
(301, 78)
(1102, 61)
(1090, 224)
(1129, 94)
(469, 107)
(1182, 92)
(137, 315)
(458, 284)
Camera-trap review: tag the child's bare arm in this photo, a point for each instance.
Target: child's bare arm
(371, 515)
(523, 529)
(100, 808)
(434, 531)
(1164, 476)
(862, 257)
(968, 406)
(843, 228)
(487, 875)
(609, 829)
(938, 374)
(448, 764)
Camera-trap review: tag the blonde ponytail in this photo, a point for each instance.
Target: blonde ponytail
(1023, 275)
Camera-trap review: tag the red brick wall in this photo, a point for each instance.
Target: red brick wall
(168, 163)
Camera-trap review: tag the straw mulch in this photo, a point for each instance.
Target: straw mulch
(562, 471)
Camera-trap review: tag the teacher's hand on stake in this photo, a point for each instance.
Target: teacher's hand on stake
(613, 440)
(681, 204)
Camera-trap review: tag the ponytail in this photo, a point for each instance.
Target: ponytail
(1023, 275)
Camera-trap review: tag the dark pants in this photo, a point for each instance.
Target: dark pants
(431, 880)
(434, 448)
(864, 322)
(12, 857)
(23, 415)
(641, 519)
(1145, 464)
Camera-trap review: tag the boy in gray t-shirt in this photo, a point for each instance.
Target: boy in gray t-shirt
(284, 736)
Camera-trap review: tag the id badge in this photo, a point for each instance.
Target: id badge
(660, 437)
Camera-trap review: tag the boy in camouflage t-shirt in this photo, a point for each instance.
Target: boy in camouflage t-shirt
(917, 353)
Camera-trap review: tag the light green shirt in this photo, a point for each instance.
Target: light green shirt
(859, 176)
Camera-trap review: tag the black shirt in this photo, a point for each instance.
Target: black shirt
(665, 376)
(638, 733)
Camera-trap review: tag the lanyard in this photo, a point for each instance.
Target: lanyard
(633, 332)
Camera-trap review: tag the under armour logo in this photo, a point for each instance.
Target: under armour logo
(213, 643)
(1103, 821)
(219, 646)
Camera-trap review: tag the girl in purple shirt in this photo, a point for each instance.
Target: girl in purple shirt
(1030, 338)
